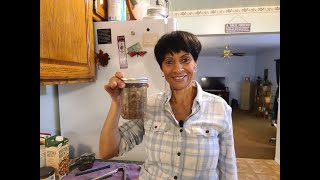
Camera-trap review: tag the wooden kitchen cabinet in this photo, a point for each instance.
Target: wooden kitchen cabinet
(66, 42)
(100, 10)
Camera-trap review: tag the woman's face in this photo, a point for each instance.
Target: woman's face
(179, 69)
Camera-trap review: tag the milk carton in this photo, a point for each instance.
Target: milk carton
(57, 155)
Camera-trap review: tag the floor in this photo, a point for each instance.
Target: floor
(258, 169)
(252, 136)
(255, 154)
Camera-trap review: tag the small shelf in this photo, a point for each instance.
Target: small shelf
(262, 100)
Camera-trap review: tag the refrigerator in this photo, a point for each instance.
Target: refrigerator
(126, 46)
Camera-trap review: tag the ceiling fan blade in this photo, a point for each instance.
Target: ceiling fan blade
(238, 54)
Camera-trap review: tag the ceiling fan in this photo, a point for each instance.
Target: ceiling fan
(227, 52)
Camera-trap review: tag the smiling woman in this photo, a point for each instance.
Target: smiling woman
(181, 125)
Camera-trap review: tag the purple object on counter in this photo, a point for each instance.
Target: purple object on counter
(132, 171)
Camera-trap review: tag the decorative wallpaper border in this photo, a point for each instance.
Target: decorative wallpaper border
(225, 11)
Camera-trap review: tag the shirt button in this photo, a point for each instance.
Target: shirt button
(178, 153)
(207, 131)
(175, 177)
(181, 130)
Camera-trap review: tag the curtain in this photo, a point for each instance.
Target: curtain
(275, 102)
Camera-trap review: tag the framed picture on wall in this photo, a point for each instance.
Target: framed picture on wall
(265, 74)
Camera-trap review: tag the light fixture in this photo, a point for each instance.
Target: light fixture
(226, 52)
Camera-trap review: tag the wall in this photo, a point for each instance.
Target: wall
(234, 69)
(215, 24)
(49, 109)
(265, 60)
(277, 156)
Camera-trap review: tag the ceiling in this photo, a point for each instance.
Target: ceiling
(213, 45)
(250, 44)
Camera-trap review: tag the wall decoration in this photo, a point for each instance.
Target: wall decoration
(122, 52)
(265, 74)
(225, 11)
(150, 39)
(101, 58)
(237, 27)
(136, 49)
(104, 36)
(138, 53)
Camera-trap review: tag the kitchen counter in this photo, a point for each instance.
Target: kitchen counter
(132, 170)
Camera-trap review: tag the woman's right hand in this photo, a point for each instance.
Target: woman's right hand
(115, 85)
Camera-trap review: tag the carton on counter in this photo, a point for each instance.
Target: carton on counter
(57, 155)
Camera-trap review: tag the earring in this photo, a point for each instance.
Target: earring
(162, 74)
(195, 68)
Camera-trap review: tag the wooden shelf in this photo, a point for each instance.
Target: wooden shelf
(262, 100)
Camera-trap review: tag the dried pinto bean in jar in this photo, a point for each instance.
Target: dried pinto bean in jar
(134, 98)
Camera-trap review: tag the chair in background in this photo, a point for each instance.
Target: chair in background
(273, 123)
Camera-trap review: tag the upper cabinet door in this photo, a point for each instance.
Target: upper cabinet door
(100, 10)
(66, 42)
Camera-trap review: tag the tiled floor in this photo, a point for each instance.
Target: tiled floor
(258, 169)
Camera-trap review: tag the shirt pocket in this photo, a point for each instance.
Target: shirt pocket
(156, 127)
(158, 140)
(159, 127)
(205, 131)
(204, 148)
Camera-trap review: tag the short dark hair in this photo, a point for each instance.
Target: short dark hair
(177, 41)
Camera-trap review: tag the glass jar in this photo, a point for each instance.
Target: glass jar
(158, 9)
(134, 98)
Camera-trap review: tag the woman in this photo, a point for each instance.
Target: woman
(188, 132)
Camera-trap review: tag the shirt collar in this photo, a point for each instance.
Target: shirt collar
(197, 99)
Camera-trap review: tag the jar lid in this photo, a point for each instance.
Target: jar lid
(135, 80)
(59, 138)
(46, 172)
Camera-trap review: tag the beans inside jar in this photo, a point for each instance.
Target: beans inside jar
(134, 98)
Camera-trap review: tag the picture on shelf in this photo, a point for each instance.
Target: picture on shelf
(265, 74)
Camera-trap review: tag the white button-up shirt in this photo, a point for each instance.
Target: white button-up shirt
(202, 149)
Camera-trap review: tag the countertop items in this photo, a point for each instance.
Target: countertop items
(117, 171)
(84, 162)
(47, 173)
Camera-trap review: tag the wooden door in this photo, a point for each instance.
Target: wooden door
(66, 42)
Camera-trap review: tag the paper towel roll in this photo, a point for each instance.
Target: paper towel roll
(114, 10)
